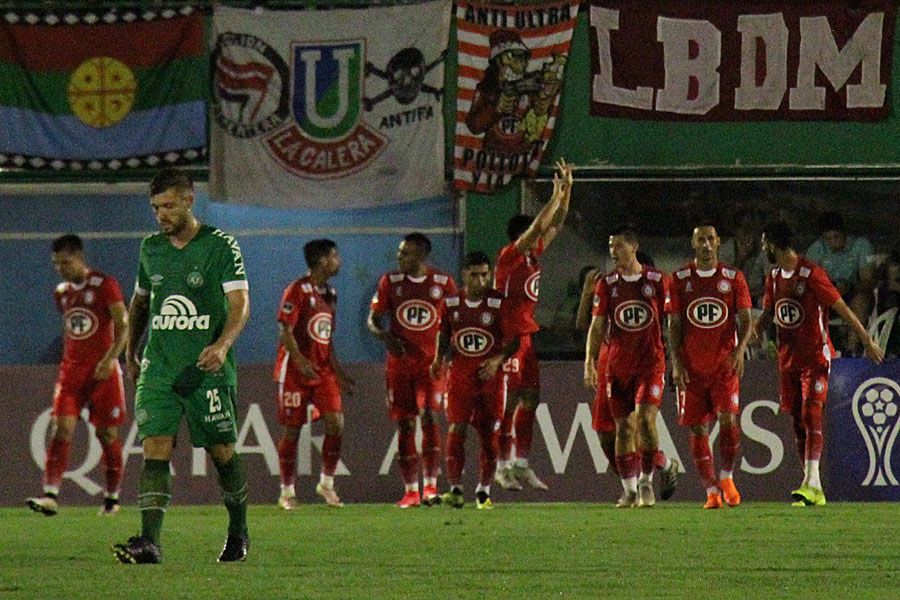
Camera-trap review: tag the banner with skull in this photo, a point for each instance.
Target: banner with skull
(328, 109)
(511, 63)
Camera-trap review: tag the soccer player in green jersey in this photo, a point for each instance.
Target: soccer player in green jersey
(192, 299)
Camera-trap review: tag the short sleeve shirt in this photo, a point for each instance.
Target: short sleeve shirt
(799, 301)
(188, 304)
(518, 277)
(707, 303)
(309, 311)
(478, 330)
(634, 307)
(88, 330)
(415, 306)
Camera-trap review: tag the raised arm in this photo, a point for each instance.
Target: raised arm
(547, 222)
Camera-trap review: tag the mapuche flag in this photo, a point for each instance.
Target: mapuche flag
(93, 91)
(511, 62)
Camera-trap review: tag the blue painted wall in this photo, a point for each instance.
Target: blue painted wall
(30, 328)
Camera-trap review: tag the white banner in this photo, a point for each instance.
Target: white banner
(328, 109)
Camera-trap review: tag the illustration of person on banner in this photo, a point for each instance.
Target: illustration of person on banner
(509, 88)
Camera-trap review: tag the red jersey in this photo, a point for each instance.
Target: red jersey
(799, 302)
(309, 310)
(478, 330)
(416, 305)
(708, 303)
(87, 323)
(634, 307)
(518, 277)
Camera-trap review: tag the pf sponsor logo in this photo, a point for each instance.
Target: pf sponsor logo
(633, 315)
(250, 85)
(533, 286)
(179, 313)
(788, 313)
(707, 313)
(472, 341)
(416, 315)
(327, 138)
(876, 410)
(319, 328)
(80, 323)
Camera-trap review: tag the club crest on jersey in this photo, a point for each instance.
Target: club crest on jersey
(633, 315)
(533, 286)
(724, 286)
(436, 292)
(88, 296)
(688, 287)
(648, 291)
(416, 315)
(80, 323)
(487, 318)
(319, 328)
(328, 137)
(788, 313)
(472, 341)
(707, 312)
(398, 291)
(195, 279)
(801, 287)
(614, 293)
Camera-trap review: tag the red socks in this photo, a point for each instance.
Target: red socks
(57, 462)
(287, 460)
(407, 457)
(729, 442)
(431, 449)
(112, 460)
(331, 453)
(456, 457)
(812, 423)
(506, 439)
(703, 460)
(524, 430)
(488, 456)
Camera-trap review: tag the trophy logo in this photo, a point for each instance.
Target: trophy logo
(876, 409)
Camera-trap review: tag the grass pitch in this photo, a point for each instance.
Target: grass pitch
(673, 550)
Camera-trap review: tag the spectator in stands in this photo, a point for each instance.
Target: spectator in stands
(848, 260)
(887, 297)
(744, 251)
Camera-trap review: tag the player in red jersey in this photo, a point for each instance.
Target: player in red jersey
(476, 331)
(602, 420)
(709, 328)
(307, 370)
(413, 299)
(798, 297)
(631, 302)
(517, 277)
(95, 328)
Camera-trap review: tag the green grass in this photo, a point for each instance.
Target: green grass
(759, 550)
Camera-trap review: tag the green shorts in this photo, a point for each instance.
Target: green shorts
(210, 413)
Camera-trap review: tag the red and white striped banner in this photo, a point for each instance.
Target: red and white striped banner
(511, 63)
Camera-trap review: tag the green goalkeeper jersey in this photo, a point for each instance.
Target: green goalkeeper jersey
(188, 307)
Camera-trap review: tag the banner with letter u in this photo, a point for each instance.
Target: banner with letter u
(862, 452)
(328, 109)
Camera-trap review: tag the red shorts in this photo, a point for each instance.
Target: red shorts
(471, 400)
(627, 391)
(801, 386)
(105, 399)
(603, 420)
(296, 395)
(705, 397)
(522, 368)
(411, 389)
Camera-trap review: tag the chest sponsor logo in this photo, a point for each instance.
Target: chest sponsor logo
(633, 315)
(707, 313)
(533, 286)
(416, 315)
(178, 313)
(319, 328)
(788, 313)
(80, 323)
(473, 342)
